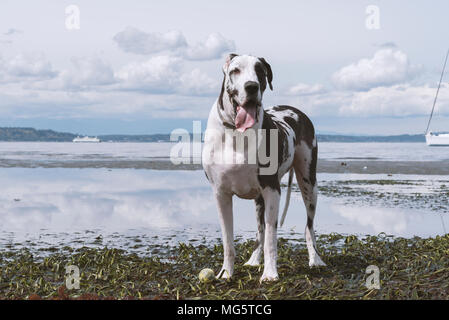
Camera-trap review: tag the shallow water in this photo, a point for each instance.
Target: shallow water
(76, 207)
(123, 151)
(381, 151)
(69, 151)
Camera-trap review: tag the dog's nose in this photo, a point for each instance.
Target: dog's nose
(251, 87)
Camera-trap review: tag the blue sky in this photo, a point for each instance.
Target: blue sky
(140, 67)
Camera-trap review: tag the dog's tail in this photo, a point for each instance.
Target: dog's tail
(287, 199)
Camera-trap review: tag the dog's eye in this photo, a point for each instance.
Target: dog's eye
(235, 71)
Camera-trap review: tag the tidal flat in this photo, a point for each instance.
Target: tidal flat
(422, 194)
(146, 234)
(413, 268)
(165, 263)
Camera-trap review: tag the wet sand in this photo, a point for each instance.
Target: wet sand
(324, 166)
(110, 164)
(392, 167)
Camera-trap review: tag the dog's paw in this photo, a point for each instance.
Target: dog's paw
(252, 262)
(316, 262)
(224, 274)
(269, 277)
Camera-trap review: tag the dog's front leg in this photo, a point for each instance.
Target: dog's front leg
(271, 198)
(224, 203)
(260, 238)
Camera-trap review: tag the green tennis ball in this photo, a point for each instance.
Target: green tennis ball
(206, 275)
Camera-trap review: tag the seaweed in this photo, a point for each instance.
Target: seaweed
(415, 268)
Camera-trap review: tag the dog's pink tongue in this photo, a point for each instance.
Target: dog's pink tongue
(245, 117)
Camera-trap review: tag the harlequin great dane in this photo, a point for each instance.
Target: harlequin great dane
(237, 111)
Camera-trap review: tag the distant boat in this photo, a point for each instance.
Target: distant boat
(437, 138)
(86, 139)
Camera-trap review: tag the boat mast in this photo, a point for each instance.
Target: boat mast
(438, 90)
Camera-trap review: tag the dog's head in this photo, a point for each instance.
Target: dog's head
(245, 80)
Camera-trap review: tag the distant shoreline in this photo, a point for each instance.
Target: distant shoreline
(34, 135)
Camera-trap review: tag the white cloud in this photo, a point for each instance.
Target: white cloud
(213, 48)
(372, 87)
(139, 42)
(159, 74)
(12, 31)
(87, 72)
(164, 74)
(388, 66)
(102, 102)
(165, 84)
(19, 102)
(397, 100)
(303, 89)
(25, 68)
(390, 101)
(388, 44)
(320, 104)
(161, 85)
(198, 83)
(173, 42)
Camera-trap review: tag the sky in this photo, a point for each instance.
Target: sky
(143, 67)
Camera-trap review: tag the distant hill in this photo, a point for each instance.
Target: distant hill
(31, 134)
(135, 138)
(398, 138)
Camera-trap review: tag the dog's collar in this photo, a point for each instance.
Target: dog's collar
(226, 124)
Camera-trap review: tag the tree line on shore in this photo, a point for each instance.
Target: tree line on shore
(31, 134)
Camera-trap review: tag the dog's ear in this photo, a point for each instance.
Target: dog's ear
(269, 72)
(228, 61)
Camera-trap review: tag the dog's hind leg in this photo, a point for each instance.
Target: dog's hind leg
(224, 203)
(260, 237)
(305, 164)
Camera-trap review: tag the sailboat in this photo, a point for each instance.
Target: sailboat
(437, 138)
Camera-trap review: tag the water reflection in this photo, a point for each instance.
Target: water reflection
(66, 201)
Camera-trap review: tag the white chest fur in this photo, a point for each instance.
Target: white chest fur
(229, 168)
